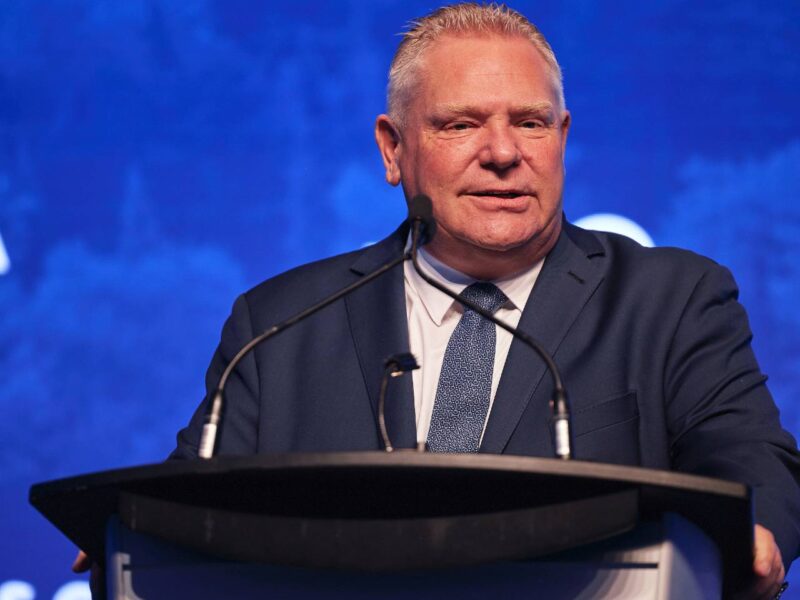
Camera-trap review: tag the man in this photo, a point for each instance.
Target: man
(651, 342)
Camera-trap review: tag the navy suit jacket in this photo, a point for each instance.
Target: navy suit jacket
(652, 344)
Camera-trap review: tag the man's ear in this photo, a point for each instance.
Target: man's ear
(387, 135)
(566, 121)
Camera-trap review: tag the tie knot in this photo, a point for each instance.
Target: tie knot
(486, 295)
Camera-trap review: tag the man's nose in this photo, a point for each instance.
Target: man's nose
(500, 150)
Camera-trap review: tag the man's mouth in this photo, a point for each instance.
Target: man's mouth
(506, 194)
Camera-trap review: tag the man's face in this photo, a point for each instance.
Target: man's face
(484, 137)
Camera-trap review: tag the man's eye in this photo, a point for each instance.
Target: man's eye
(532, 124)
(459, 126)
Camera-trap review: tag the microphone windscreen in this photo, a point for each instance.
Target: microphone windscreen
(420, 208)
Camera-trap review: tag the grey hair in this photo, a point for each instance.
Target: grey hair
(459, 19)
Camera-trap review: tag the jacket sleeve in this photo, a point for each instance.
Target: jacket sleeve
(723, 421)
(238, 432)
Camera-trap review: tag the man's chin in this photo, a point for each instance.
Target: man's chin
(505, 244)
(531, 242)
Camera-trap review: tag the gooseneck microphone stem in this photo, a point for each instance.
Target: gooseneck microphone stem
(559, 405)
(214, 414)
(387, 443)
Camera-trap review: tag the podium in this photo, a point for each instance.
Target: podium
(403, 525)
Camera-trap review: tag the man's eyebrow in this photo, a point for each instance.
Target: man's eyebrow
(454, 109)
(537, 108)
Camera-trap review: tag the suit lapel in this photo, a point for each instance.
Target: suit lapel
(378, 322)
(568, 279)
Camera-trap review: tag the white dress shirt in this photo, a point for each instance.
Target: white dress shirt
(433, 316)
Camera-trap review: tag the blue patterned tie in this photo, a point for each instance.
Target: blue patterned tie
(462, 397)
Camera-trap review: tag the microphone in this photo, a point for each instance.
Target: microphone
(423, 227)
(420, 216)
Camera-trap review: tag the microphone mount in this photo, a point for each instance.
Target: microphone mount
(394, 366)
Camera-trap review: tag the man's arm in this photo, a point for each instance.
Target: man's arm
(239, 430)
(724, 423)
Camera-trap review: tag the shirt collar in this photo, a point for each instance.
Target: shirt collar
(516, 287)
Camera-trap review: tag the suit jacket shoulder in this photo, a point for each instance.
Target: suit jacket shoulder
(283, 295)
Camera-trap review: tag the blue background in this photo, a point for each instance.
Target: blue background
(157, 158)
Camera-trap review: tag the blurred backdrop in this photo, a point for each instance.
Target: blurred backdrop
(158, 157)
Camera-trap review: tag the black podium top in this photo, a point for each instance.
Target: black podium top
(390, 511)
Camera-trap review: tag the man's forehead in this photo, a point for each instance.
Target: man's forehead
(452, 57)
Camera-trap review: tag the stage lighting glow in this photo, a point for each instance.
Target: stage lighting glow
(616, 224)
(5, 263)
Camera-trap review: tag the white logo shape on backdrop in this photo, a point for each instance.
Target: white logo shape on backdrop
(22, 590)
(5, 263)
(17, 590)
(616, 224)
(74, 590)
